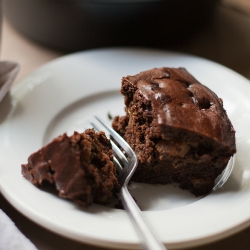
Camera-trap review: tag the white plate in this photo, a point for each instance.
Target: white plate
(60, 95)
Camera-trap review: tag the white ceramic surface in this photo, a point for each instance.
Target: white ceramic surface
(58, 98)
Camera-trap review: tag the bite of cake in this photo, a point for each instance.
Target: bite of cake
(80, 166)
(177, 127)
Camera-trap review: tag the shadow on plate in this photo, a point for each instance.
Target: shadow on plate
(5, 107)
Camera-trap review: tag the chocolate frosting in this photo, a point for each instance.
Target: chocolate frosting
(178, 100)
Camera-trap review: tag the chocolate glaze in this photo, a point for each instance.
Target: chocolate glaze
(179, 100)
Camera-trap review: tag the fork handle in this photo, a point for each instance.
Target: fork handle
(149, 240)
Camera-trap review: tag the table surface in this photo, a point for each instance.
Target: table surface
(226, 40)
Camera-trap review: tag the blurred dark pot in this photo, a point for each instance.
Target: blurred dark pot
(72, 25)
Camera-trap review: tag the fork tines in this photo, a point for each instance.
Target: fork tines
(120, 151)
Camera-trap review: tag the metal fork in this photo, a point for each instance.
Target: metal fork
(149, 240)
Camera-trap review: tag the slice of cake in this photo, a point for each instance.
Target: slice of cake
(177, 127)
(80, 166)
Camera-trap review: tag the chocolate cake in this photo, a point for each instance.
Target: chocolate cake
(80, 166)
(177, 127)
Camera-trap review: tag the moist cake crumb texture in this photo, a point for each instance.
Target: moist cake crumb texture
(177, 127)
(80, 166)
